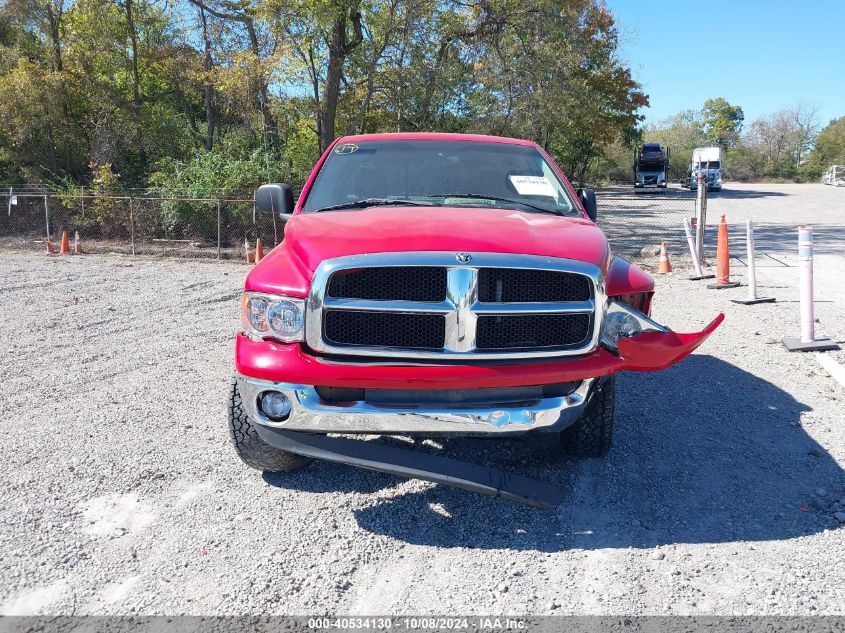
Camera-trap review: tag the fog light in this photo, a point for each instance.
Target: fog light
(275, 405)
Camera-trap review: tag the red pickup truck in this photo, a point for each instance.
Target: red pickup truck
(438, 284)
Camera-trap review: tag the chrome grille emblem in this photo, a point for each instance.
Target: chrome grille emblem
(463, 258)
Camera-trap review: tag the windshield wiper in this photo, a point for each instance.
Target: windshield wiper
(374, 202)
(484, 196)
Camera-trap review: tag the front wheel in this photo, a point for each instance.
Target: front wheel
(249, 446)
(592, 433)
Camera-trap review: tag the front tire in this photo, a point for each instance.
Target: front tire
(252, 450)
(592, 433)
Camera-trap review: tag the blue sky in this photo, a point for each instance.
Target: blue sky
(763, 56)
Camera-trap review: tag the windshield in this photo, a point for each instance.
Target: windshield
(713, 164)
(439, 173)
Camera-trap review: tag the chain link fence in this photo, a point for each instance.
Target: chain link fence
(137, 223)
(633, 222)
(140, 223)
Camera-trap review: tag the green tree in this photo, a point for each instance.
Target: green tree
(144, 85)
(722, 122)
(554, 76)
(829, 149)
(681, 133)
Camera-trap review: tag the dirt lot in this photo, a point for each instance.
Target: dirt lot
(120, 494)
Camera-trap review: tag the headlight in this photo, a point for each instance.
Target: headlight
(620, 325)
(623, 321)
(282, 318)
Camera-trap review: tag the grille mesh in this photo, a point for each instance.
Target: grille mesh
(514, 285)
(391, 283)
(385, 329)
(527, 331)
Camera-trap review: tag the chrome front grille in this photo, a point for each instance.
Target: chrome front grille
(390, 329)
(435, 305)
(528, 331)
(390, 283)
(515, 285)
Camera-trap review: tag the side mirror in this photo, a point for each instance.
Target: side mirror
(275, 198)
(588, 201)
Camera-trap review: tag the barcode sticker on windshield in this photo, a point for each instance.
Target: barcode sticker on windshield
(533, 186)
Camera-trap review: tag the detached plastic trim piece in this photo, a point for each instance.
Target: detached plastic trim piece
(653, 351)
(415, 465)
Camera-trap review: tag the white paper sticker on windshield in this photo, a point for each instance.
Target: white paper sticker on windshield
(533, 186)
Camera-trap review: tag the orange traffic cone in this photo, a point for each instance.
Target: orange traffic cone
(50, 248)
(77, 247)
(64, 248)
(723, 260)
(665, 266)
(259, 250)
(250, 258)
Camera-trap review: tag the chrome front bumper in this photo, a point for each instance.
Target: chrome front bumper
(311, 414)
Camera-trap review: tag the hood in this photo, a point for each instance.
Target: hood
(313, 237)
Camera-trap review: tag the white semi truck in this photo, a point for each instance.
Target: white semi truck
(706, 161)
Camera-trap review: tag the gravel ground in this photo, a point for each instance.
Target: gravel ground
(119, 492)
